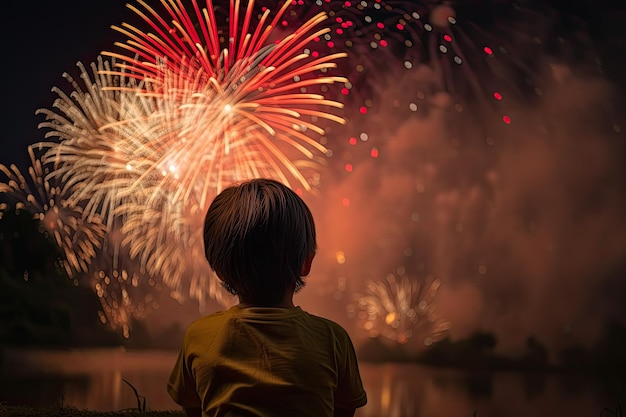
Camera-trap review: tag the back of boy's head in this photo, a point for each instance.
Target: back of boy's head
(257, 236)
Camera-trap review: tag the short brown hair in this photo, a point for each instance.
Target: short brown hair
(257, 236)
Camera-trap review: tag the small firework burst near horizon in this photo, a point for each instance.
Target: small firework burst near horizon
(400, 308)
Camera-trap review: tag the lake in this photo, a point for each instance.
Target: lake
(93, 379)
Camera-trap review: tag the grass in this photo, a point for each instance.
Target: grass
(141, 400)
(68, 411)
(63, 410)
(617, 412)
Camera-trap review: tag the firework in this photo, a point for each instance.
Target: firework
(373, 34)
(105, 164)
(241, 107)
(89, 159)
(479, 53)
(399, 309)
(79, 237)
(152, 134)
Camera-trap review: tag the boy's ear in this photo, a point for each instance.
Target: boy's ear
(306, 266)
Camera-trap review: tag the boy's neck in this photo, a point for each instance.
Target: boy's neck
(286, 302)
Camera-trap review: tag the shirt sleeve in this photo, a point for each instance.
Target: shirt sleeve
(350, 393)
(181, 385)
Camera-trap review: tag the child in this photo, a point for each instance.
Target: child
(264, 357)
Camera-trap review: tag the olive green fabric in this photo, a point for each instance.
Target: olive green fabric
(266, 362)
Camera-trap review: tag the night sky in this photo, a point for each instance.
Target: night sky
(44, 39)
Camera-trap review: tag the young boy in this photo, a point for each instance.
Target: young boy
(264, 357)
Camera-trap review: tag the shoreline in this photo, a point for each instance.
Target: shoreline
(16, 361)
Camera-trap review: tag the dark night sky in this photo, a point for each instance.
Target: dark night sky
(44, 39)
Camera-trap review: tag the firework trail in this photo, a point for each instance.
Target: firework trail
(400, 308)
(126, 291)
(153, 133)
(89, 157)
(79, 237)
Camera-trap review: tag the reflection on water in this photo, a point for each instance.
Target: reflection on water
(398, 390)
(87, 379)
(93, 380)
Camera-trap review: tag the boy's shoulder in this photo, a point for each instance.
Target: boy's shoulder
(331, 326)
(324, 321)
(200, 325)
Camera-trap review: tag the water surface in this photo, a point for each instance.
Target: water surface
(93, 379)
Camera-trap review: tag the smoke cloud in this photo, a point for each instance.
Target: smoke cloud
(521, 222)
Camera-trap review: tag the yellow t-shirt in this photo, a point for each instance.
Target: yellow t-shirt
(266, 362)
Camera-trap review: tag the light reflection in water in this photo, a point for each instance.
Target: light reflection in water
(93, 380)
